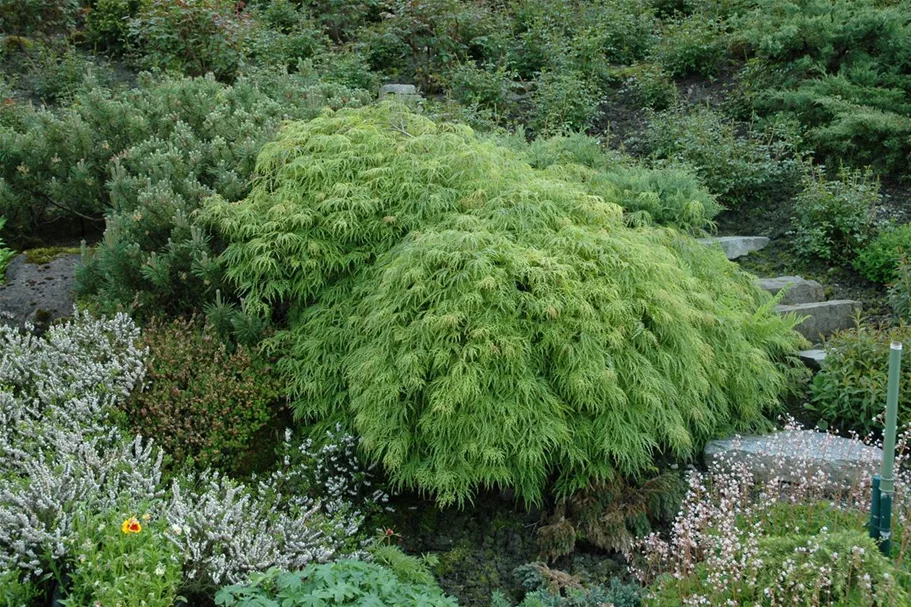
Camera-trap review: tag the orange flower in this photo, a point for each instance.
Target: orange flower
(131, 525)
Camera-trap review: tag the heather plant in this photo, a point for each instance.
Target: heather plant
(835, 218)
(64, 466)
(880, 258)
(748, 170)
(206, 405)
(342, 583)
(850, 389)
(794, 535)
(481, 323)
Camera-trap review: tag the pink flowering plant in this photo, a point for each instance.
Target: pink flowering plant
(794, 535)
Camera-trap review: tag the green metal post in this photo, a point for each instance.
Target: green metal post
(874, 509)
(887, 482)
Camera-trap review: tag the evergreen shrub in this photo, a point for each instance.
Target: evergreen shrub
(691, 46)
(879, 260)
(146, 158)
(45, 17)
(205, 404)
(482, 323)
(838, 66)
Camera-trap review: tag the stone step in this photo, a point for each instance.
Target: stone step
(823, 318)
(812, 358)
(737, 246)
(799, 289)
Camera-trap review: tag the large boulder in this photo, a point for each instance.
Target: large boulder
(795, 455)
(799, 289)
(823, 318)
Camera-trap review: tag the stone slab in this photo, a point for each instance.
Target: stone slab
(799, 289)
(794, 455)
(735, 247)
(823, 318)
(401, 92)
(38, 293)
(813, 358)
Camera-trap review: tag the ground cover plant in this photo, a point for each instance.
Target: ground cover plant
(793, 535)
(453, 278)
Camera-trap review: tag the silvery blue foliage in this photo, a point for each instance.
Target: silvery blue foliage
(60, 453)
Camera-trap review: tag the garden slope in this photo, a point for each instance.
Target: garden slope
(482, 323)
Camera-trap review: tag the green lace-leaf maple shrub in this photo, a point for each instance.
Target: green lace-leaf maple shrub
(483, 323)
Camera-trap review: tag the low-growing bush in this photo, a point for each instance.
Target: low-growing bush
(789, 534)
(743, 170)
(879, 259)
(840, 68)
(204, 404)
(45, 17)
(107, 23)
(487, 88)
(669, 196)
(121, 557)
(691, 46)
(483, 323)
(834, 218)
(563, 102)
(647, 85)
(344, 583)
(65, 470)
(190, 37)
(552, 588)
(850, 389)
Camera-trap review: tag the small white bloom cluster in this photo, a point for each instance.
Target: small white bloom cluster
(728, 514)
(60, 452)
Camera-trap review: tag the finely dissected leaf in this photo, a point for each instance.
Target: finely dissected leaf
(483, 323)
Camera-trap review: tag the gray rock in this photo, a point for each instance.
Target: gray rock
(793, 455)
(823, 318)
(799, 289)
(38, 294)
(737, 246)
(812, 358)
(402, 92)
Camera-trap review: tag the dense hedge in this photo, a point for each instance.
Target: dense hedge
(479, 322)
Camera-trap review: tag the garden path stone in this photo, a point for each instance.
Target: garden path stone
(812, 358)
(38, 293)
(737, 246)
(799, 289)
(790, 454)
(402, 92)
(823, 318)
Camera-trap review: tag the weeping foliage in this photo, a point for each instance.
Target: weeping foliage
(483, 323)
